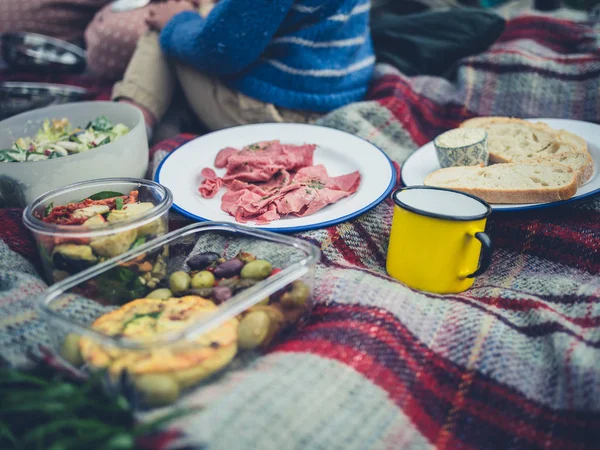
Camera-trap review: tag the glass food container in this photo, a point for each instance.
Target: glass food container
(224, 290)
(66, 250)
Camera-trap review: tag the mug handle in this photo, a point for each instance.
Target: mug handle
(486, 253)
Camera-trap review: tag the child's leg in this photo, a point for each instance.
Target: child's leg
(218, 106)
(149, 82)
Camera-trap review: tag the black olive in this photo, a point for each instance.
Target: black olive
(221, 294)
(229, 268)
(202, 261)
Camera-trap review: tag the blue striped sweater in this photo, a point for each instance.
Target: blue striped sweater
(312, 55)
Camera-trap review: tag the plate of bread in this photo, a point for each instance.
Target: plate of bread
(519, 164)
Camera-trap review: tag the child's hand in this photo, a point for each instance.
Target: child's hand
(159, 14)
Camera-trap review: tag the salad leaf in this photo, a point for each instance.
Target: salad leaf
(104, 141)
(119, 130)
(48, 209)
(119, 203)
(54, 132)
(120, 285)
(100, 123)
(6, 157)
(126, 274)
(75, 136)
(139, 241)
(104, 195)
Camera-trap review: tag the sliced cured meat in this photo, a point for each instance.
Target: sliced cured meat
(268, 180)
(318, 173)
(210, 187)
(223, 156)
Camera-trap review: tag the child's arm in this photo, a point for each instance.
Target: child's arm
(231, 38)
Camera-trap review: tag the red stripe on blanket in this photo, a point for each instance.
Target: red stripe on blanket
(363, 363)
(325, 314)
(17, 236)
(503, 68)
(413, 357)
(566, 60)
(532, 304)
(342, 246)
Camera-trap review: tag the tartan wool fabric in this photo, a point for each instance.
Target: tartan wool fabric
(513, 363)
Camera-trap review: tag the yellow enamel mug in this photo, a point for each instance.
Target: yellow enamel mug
(437, 242)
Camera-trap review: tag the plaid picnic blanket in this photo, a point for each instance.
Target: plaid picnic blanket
(512, 363)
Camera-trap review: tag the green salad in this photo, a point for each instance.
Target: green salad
(58, 138)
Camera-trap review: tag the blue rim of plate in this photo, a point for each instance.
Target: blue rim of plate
(573, 199)
(308, 227)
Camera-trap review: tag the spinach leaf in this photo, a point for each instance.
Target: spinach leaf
(100, 123)
(104, 195)
(119, 203)
(48, 209)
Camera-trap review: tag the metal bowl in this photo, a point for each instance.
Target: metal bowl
(17, 97)
(36, 52)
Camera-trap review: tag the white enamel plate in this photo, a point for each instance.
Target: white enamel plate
(424, 161)
(338, 151)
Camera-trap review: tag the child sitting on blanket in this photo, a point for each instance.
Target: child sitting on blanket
(252, 61)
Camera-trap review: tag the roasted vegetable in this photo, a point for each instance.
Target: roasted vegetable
(114, 245)
(73, 258)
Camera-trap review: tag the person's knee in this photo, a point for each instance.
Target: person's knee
(111, 39)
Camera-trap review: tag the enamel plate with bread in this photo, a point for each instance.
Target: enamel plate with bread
(513, 164)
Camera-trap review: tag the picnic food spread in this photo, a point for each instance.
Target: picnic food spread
(531, 163)
(269, 180)
(58, 138)
(68, 256)
(182, 299)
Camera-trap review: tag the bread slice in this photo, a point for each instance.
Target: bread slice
(565, 138)
(511, 140)
(516, 140)
(580, 161)
(509, 183)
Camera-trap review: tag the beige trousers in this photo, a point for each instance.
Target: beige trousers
(150, 81)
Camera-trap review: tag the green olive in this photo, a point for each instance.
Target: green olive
(162, 294)
(179, 281)
(157, 389)
(253, 329)
(297, 297)
(258, 269)
(70, 350)
(203, 279)
(277, 321)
